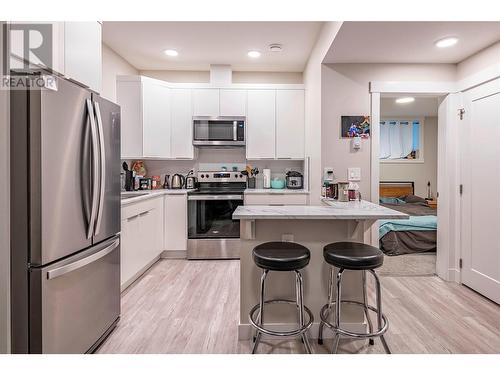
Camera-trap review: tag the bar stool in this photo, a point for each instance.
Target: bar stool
(358, 257)
(281, 256)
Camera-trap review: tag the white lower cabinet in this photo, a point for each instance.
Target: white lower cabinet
(175, 222)
(141, 238)
(276, 199)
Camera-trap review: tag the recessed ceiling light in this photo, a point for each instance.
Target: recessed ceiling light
(254, 54)
(405, 100)
(446, 42)
(170, 52)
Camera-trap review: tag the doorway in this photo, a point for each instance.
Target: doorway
(408, 179)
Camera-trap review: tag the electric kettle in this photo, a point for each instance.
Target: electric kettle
(178, 181)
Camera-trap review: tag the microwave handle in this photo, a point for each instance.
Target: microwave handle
(235, 130)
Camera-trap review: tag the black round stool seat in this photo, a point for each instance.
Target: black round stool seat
(353, 255)
(281, 256)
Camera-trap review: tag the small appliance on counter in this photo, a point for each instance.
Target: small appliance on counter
(191, 180)
(178, 181)
(129, 177)
(294, 180)
(277, 183)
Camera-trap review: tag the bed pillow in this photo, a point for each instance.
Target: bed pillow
(390, 200)
(414, 199)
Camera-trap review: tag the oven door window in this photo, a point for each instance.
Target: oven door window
(209, 130)
(213, 219)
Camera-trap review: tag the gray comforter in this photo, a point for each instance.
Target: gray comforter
(409, 242)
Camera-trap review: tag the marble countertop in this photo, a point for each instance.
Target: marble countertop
(333, 210)
(129, 197)
(276, 191)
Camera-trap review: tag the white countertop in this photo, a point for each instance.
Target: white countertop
(333, 210)
(140, 195)
(276, 191)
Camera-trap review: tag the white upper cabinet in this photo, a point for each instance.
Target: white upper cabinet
(233, 102)
(83, 53)
(290, 124)
(181, 124)
(156, 119)
(261, 124)
(129, 97)
(206, 102)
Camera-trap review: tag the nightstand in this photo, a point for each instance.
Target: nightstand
(433, 203)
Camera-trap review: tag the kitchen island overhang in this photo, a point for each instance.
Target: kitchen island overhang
(313, 227)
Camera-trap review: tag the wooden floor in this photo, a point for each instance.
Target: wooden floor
(182, 306)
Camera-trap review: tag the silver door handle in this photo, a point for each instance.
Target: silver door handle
(95, 168)
(102, 157)
(56, 272)
(214, 197)
(235, 130)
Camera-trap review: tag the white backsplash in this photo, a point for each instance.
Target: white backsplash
(210, 159)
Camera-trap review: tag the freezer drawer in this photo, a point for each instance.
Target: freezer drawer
(73, 303)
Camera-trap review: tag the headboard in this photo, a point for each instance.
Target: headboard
(396, 188)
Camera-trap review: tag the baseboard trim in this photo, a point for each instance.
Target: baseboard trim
(454, 275)
(245, 331)
(138, 274)
(174, 254)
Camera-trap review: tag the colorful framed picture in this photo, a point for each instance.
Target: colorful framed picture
(355, 126)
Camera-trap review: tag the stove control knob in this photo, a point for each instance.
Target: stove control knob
(235, 176)
(241, 176)
(202, 176)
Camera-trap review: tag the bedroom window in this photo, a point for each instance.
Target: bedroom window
(401, 141)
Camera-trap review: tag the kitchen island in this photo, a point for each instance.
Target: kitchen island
(313, 227)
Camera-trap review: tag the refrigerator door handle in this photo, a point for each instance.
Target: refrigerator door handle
(56, 272)
(95, 168)
(102, 157)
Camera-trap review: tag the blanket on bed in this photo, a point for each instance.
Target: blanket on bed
(428, 222)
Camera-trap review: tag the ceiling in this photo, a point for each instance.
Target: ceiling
(422, 106)
(409, 42)
(203, 43)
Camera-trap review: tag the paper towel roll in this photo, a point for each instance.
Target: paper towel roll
(266, 174)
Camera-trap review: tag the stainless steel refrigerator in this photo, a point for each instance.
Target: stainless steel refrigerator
(65, 219)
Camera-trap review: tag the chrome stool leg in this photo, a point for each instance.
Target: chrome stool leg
(336, 337)
(379, 310)
(330, 304)
(300, 301)
(261, 310)
(365, 302)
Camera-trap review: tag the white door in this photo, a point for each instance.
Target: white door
(290, 123)
(480, 200)
(206, 102)
(156, 119)
(261, 124)
(82, 53)
(182, 124)
(233, 102)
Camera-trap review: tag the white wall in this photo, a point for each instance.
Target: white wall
(181, 76)
(345, 91)
(487, 59)
(112, 66)
(313, 105)
(4, 212)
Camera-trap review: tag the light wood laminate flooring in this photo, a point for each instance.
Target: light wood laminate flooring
(182, 306)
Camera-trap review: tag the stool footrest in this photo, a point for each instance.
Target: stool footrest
(296, 332)
(324, 319)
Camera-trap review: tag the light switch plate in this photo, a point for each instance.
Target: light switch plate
(354, 174)
(287, 237)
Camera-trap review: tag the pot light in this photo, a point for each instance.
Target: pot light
(254, 54)
(405, 100)
(446, 42)
(171, 52)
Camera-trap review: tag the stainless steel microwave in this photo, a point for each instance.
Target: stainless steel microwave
(219, 131)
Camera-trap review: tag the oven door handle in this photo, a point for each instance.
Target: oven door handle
(215, 197)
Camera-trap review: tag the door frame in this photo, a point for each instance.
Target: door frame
(448, 231)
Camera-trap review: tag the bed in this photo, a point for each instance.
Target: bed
(416, 235)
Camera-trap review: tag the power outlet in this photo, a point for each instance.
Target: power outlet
(287, 237)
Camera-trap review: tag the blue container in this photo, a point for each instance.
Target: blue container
(277, 184)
